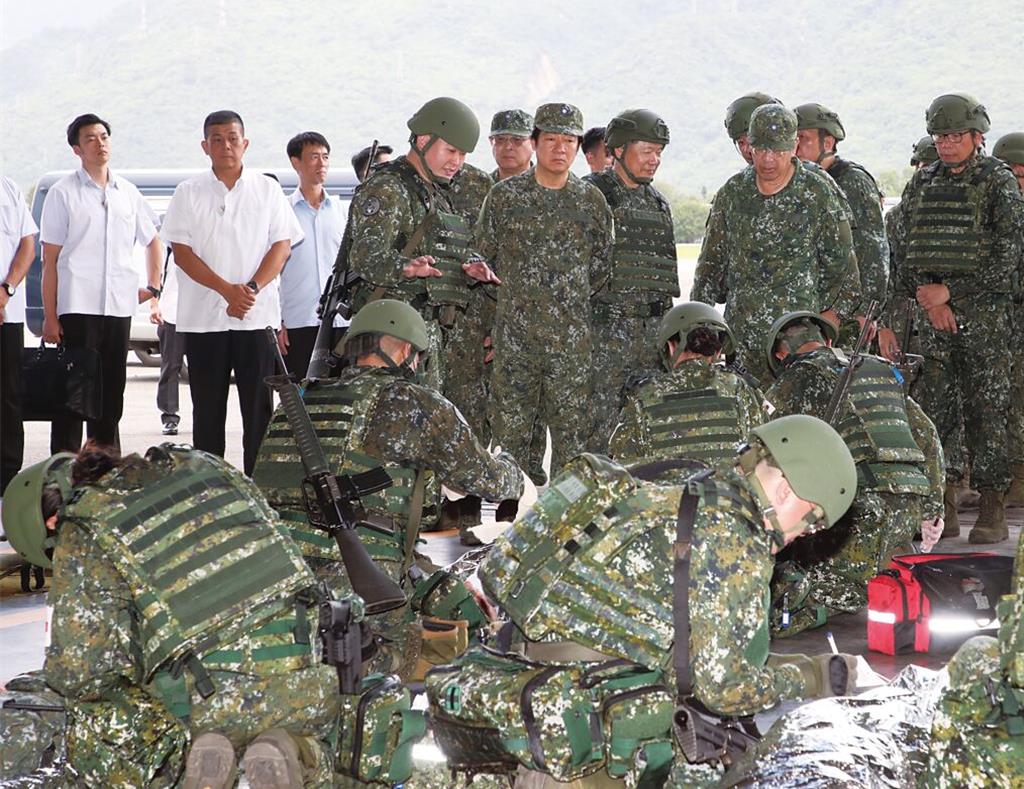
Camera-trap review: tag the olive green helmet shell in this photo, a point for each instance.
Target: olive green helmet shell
(814, 459)
(559, 118)
(449, 119)
(514, 123)
(772, 127)
(684, 318)
(392, 317)
(22, 507)
(1010, 148)
(737, 114)
(953, 112)
(924, 152)
(827, 328)
(635, 126)
(818, 116)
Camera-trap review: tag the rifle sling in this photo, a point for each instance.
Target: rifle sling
(681, 585)
(412, 526)
(414, 241)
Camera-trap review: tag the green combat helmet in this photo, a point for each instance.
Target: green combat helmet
(772, 127)
(1010, 148)
(924, 152)
(953, 112)
(684, 318)
(514, 123)
(559, 118)
(818, 116)
(22, 508)
(388, 316)
(634, 126)
(814, 328)
(737, 114)
(445, 119)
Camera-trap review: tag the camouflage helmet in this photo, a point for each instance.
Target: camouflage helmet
(449, 119)
(814, 459)
(514, 123)
(1010, 148)
(818, 116)
(953, 112)
(558, 118)
(772, 127)
(684, 318)
(22, 507)
(737, 114)
(633, 126)
(924, 152)
(817, 328)
(391, 317)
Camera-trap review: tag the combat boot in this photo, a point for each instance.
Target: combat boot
(210, 763)
(949, 515)
(967, 498)
(469, 517)
(272, 761)
(507, 510)
(451, 515)
(1015, 495)
(991, 526)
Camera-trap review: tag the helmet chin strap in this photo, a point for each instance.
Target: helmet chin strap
(813, 521)
(404, 368)
(622, 163)
(421, 154)
(822, 153)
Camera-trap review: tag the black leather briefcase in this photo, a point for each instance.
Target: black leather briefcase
(60, 381)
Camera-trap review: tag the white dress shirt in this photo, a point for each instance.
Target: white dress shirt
(15, 223)
(231, 231)
(96, 229)
(306, 272)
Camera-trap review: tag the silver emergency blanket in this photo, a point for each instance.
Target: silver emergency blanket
(876, 739)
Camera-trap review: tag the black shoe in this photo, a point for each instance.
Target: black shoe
(40, 578)
(170, 427)
(507, 510)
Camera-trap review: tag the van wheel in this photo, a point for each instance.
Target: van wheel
(146, 358)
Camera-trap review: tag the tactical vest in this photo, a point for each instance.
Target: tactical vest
(340, 411)
(840, 167)
(947, 227)
(581, 565)
(645, 248)
(448, 239)
(206, 562)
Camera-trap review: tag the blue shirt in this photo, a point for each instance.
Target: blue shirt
(311, 263)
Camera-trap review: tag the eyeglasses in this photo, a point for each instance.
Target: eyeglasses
(953, 137)
(509, 141)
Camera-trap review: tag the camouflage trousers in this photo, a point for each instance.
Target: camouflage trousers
(467, 376)
(623, 346)
(965, 385)
(1015, 433)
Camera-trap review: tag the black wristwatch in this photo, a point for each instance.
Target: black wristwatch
(251, 285)
(7, 286)
(154, 291)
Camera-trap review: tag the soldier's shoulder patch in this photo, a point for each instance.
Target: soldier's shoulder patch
(372, 206)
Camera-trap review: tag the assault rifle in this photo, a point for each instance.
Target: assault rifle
(908, 363)
(835, 404)
(333, 502)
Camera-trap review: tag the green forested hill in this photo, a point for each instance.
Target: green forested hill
(356, 70)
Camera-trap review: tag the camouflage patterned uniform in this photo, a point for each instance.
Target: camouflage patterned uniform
(901, 477)
(767, 255)
(127, 716)
(965, 379)
(627, 313)
(698, 410)
(551, 248)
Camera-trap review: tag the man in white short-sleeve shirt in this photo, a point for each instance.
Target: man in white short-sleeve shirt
(231, 231)
(90, 224)
(322, 218)
(17, 248)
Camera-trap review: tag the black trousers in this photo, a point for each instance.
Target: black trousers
(12, 429)
(300, 348)
(212, 356)
(172, 353)
(109, 338)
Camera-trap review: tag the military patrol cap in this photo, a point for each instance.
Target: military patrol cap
(818, 116)
(22, 507)
(684, 318)
(388, 316)
(814, 459)
(635, 126)
(559, 119)
(737, 114)
(924, 152)
(515, 123)
(1010, 148)
(817, 328)
(772, 127)
(449, 119)
(953, 112)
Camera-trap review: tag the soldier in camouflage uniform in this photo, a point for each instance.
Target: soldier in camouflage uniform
(737, 120)
(1010, 148)
(900, 471)
(645, 277)
(549, 236)
(376, 415)
(977, 736)
(182, 616)
(777, 240)
(698, 408)
(404, 240)
(956, 248)
(819, 131)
